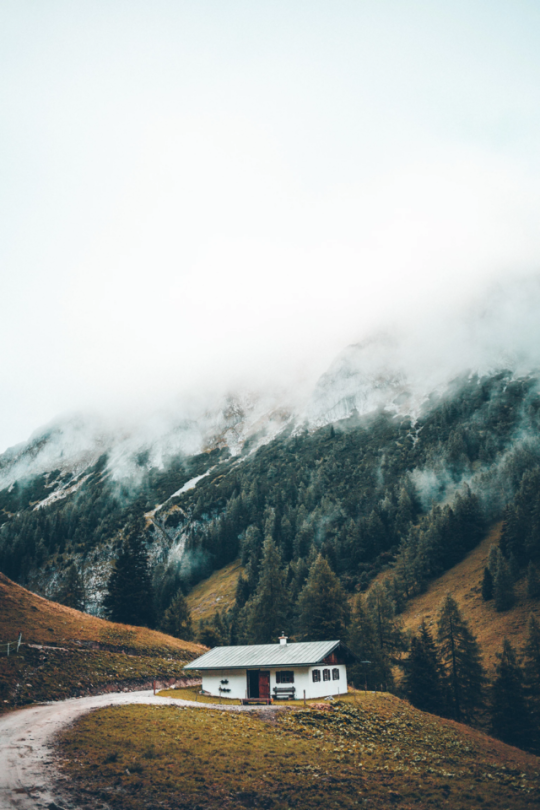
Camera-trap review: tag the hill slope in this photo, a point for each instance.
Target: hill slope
(365, 750)
(464, 582)
(66, 652)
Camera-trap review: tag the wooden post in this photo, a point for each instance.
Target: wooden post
(154, 685)
(19, 641)
(304, 697)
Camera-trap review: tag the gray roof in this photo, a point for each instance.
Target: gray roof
(265, 655)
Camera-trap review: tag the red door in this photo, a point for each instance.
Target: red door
(264, 685)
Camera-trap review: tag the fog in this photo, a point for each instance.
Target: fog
(201, 197)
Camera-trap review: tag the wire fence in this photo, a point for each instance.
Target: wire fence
(10, 647)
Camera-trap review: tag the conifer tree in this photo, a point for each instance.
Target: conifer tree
(371, 669)
(460, 655)
(381, 609)
(323, 610)
(177, 618)
(266, 613)
(510, 717)
(72, 593)
(532, 668)
(487, 585)
(212, 633)
(503, 585)
(423, 682)
(242, 592)
(129, 597)
(533, 581)
(493, 560)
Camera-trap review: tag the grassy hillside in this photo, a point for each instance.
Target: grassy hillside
(215, 593)
(366, 750)
(464, 582)
(66, 653)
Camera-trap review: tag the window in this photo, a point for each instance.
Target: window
(285, 677)
(326, 674)
(316, 675)
(335, 674)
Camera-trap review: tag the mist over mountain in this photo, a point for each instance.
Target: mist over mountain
(400, 368)
(400, 455)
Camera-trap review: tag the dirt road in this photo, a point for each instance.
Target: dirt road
(26, 756)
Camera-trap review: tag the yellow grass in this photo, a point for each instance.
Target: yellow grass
(80, 654)
(45, 622)
(464, 582)
(215, 593)
(379, 753)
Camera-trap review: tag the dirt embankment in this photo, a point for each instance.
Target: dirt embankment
(41, 673)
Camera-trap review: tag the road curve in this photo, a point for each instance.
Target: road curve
(26, 755)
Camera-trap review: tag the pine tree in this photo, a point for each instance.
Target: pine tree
(493, 560)
(487, 585)
(503, 585)
(266, 613)
(371, 669)
(129, 597)
(510, 717)
(212, 633)
(72, 593)
(533, 581)
(423, 682)
(323, 610)
(460, 655)
(381, 609)
(532, 668)
(177, 618)
(242, 592)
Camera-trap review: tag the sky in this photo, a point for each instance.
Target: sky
(197, 195)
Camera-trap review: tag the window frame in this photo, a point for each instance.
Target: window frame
(289, 676)
(326, 675)
(335, 674)
(316, 675)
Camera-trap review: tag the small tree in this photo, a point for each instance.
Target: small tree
(213, 633)
(267, 611)
(424, 676)
(532, 668)
(177, 618)
(372, 668)
(381, 608)
(533, 581)
(323, 609)
(460, 655)
(503, 585)
(510, 717)
(72, 593)
(129, 597)
(487, 585)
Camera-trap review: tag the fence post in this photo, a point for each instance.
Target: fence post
(304, 697)
(19, 641)
(8, 649)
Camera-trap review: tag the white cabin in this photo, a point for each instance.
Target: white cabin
(311, 669)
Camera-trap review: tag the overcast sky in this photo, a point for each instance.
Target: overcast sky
(200, 193)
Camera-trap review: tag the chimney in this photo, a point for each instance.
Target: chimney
(283, 639)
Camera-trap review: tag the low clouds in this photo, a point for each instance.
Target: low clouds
(199, 199)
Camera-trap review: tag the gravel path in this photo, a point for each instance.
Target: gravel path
(26, 754)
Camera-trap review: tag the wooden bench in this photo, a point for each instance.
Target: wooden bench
(247, 701)
(284, 692)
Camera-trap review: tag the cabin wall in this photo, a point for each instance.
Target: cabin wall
(237, 682)
(320, 689)
(303, 680)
